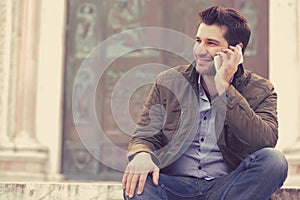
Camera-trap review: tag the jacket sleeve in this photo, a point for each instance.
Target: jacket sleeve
(254, 124)
(148, 136)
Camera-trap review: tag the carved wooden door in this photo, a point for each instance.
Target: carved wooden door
(90, 22)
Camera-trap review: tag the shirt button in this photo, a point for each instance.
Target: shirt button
(204, 118)
(200, 168)
(231, 101)
(202, 139)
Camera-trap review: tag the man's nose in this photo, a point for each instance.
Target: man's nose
(200, 49)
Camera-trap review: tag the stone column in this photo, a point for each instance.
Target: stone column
(28, 159)
(293, 152)
(49, 110)
(27, 74)
(5, 38)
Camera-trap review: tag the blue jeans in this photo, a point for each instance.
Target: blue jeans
(257, 177)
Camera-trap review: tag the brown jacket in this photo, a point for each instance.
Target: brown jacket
(246, 118)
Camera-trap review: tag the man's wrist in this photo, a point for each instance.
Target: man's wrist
(152, 156)
(222, 88)
(142, 153)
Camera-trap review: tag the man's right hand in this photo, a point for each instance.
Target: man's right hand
(136, 173)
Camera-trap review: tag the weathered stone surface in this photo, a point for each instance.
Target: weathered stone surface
(88, 191)
(57, 191)
(287, 194)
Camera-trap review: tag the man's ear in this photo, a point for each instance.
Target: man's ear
(243, 50)
(241, 44)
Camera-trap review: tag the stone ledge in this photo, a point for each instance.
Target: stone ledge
(287, 193)
(89, 191)
(61, 191)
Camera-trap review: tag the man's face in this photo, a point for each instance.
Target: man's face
(209, 40)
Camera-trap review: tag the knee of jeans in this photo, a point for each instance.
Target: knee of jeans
(274, 160)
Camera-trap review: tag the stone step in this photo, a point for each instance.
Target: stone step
(88, 191)
(287, 193)
(61, 191)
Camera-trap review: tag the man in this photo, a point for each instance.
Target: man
(219, 146)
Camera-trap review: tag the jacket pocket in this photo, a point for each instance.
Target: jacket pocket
(172, 122)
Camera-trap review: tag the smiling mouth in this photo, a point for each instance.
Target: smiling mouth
(203, 62)
(204, 58)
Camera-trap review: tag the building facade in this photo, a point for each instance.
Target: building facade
(47, 124)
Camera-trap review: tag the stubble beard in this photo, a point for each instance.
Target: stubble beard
(208, 71)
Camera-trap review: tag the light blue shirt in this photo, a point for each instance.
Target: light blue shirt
(203, 159)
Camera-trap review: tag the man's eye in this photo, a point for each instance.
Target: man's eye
(211, 43)
(198, 41)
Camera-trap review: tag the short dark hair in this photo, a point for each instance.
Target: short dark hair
(235, 24)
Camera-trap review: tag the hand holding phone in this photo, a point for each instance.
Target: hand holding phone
(218, 59)
(226, 64)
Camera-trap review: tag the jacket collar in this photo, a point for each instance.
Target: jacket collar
(191, 74)
(239, 76)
